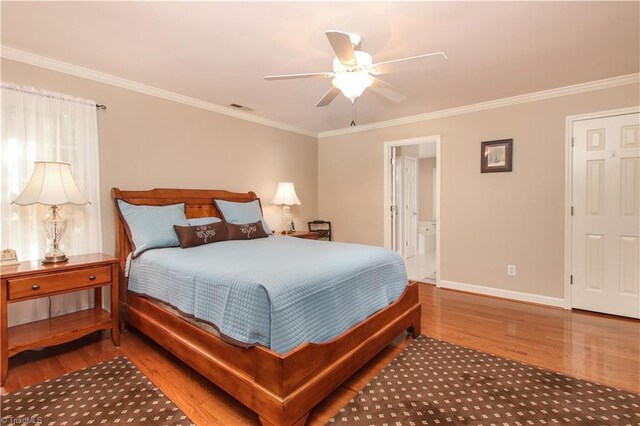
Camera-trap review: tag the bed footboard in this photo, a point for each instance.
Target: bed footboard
(280, 389)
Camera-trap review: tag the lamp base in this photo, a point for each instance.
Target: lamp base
(54, 227)
(55, 259)
(287, 227)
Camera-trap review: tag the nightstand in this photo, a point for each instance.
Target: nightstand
(32, 280)
(308, 235)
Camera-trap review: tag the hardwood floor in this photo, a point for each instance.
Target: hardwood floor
(600, 348)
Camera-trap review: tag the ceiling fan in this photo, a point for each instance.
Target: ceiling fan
(354, 71)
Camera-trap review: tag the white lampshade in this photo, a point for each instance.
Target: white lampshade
(286, 195)
(51, 184)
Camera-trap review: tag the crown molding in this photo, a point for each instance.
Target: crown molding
(622, 80)
(90, 74)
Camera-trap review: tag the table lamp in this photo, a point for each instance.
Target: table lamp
(286, 196)
(52, 184)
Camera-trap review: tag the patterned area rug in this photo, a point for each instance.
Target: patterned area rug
(110, 393)
(434, 383)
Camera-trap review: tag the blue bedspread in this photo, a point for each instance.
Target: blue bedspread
(278, 291)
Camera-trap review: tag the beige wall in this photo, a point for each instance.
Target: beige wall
(148, 142)
(425, 188)
(408, 150)
(488, 220)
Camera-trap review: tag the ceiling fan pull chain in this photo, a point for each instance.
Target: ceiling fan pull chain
(353, 112)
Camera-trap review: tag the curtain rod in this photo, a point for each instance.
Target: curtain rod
(47, 94)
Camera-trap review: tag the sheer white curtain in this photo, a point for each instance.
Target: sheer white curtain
(38, 125)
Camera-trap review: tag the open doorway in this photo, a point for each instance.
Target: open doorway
(412, 201)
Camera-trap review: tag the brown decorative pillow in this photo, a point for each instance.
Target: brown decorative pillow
(192, 236)
(247, 231)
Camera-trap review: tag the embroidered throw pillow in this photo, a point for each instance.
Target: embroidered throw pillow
(247, 231)
(193, 236)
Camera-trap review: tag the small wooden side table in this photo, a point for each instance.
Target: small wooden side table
(32, 280)
(308, 235)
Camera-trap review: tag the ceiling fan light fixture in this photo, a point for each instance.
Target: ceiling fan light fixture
(355, 39)
(352, 84)
(354, 70)
(363, 62)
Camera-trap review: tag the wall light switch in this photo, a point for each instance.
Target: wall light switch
(511, 270)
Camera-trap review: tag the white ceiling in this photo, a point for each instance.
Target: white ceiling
(219, 52)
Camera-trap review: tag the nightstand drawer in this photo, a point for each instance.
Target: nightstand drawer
(22, 288)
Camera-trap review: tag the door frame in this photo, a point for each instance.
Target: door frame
(386, 208)
(568, 188)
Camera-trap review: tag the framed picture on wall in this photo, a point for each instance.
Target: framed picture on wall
(496, 156)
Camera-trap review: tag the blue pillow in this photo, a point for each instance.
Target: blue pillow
(242, 213)
(152, 226)
(199, 221)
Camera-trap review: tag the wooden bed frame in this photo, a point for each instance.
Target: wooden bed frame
(281, 389)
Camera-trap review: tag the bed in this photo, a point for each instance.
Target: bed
(277, 377)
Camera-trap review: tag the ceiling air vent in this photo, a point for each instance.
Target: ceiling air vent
(242, 107)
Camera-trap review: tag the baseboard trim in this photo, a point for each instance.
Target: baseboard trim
(504, 294)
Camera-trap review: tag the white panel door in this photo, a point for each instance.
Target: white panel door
(411, 206)
(399, 213)
(393, 202)
(606, 215)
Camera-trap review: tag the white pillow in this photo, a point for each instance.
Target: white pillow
(199, 221)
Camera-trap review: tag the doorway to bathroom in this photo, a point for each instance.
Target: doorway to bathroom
(412, 204)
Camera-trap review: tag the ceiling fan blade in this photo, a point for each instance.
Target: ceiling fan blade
(328, 97)
(307, 75)
(341, 44)
(380, 67)
(387, 90)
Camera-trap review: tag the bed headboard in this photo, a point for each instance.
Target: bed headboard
(198, 203)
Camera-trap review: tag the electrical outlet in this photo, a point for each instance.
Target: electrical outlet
(511, 270)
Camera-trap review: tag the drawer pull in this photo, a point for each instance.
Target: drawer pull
(35, 287)
(92, 277)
